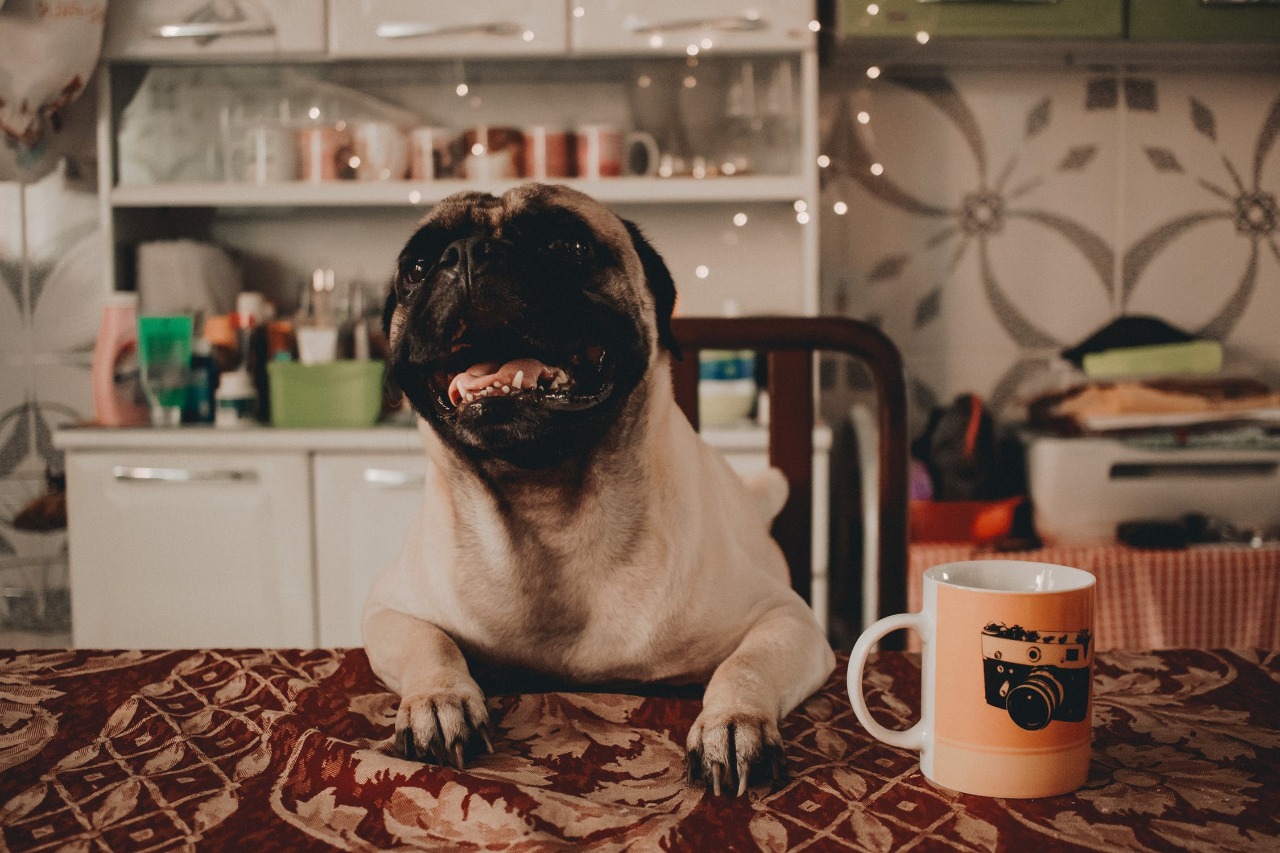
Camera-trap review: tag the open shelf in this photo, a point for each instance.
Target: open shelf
(410, 193)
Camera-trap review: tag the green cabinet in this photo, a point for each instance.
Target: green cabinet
(984, 18)
(1204, 20)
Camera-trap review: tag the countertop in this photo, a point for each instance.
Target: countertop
(383, 438)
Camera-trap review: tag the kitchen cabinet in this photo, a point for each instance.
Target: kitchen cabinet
(680, 27)
(268, 537)
(201, 29)
(364, 505)
(382, 28)
(983, 18)
(185, 548)
(1204, 20)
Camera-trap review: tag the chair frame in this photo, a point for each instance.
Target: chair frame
(790, 344)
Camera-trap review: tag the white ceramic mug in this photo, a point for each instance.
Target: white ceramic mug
(1007, 669)
(598, 151)
(429, 153)
(269, 155)
(382, 149)
(546, 153)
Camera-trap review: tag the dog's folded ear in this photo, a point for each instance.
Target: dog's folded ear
(390, 388)
(663, 287)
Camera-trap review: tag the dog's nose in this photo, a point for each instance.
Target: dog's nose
(470, 255)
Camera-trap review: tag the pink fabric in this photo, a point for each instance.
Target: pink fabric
(1202, 598)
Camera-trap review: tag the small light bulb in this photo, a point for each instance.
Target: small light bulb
(527, 35)
(462, 90)
(415, 197)
(702, 271)
(739, 219)
(877, 169)
(313, 113)
(864, 117)
(644, 81)
(800, 206)
(873, 72)
(840, 208)
(692, 50)
(655, 40)
(873, 8)
(823, 161)
(578, 11)
(815, 26)
(802, 218)
(477, 149)
(922, 37)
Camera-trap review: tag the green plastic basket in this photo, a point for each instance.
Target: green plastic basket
(335, 394)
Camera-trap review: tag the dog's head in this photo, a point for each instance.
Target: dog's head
(519, 327)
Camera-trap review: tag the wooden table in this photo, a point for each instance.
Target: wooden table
(286, 750)
(1201, 598)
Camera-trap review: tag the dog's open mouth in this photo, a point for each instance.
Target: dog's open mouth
(496, 362)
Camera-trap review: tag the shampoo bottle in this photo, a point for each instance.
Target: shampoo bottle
(117, 395)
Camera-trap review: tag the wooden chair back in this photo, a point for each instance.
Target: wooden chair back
(790, 344)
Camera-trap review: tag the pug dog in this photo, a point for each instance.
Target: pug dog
(574, 525)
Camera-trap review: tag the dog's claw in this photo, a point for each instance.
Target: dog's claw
(726, 753)
(441, 728)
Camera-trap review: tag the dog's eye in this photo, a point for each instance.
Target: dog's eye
(570, 249)
(416, 273)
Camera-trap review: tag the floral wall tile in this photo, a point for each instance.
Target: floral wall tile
(988, 219)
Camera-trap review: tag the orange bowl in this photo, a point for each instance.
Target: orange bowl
(962, 521)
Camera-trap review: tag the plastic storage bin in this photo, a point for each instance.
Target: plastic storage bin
(335, 394)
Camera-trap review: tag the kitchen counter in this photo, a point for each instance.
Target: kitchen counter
(383, 438)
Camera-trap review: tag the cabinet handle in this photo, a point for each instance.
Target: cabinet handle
(388, 478)
(411, 29)
(725, 24)
(212, 30)
(182, 475)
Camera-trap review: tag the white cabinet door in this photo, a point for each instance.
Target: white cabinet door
(374, 28)
(677, 26)
(190, 29)
(190, 550)
(364, 504)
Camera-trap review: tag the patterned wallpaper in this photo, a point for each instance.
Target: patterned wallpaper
(988, 219)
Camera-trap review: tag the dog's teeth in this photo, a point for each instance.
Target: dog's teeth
(506, 389)
(519, 380)
(471, 398)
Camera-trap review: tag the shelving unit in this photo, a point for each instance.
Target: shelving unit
(750, 238)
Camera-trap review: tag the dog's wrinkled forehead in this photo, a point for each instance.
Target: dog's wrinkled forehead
(548, 208)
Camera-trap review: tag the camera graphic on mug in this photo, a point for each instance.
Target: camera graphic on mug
(1037, 676)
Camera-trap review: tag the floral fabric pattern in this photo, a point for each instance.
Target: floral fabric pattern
(290, 750)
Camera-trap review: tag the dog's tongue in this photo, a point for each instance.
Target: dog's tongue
(514, 375)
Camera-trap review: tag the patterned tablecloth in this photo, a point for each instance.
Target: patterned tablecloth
(1198, 598)
(285, 750)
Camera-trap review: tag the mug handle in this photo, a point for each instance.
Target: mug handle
(635, 142)
(912, 738)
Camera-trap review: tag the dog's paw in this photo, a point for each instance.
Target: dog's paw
(727, 751)
(442, 727)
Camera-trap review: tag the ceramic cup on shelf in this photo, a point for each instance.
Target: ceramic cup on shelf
(1006, 700)
(382, 151)
(546, 153)
(324, 153)
(429, 153)
(492, 153)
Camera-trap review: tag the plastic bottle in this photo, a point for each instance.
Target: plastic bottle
(237, 400)
(204, 383)
(117, 397)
